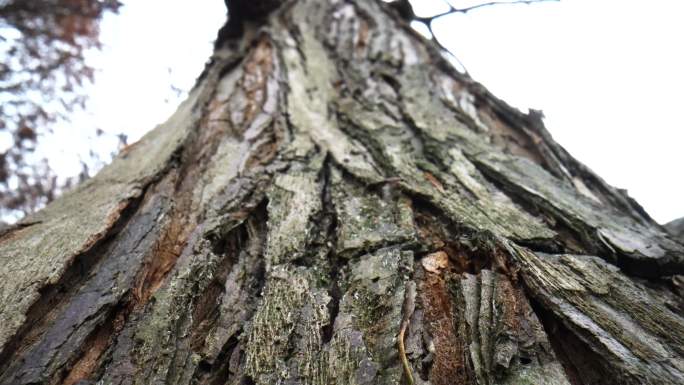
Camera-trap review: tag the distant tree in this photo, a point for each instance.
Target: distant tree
(42, 73)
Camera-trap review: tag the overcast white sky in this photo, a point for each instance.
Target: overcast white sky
(608, 75)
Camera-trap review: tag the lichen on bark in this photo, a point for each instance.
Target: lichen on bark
(334, 204)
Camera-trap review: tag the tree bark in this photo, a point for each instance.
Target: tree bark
(676, 228)
(334, 204)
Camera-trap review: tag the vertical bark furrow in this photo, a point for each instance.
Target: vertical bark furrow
(230, 156)
(478, 325)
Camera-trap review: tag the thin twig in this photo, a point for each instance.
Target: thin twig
(409, 308)
(452, 9)
(445, 49)
(428, 20)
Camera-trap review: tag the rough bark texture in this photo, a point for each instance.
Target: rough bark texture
(333, 204)
(676, 228)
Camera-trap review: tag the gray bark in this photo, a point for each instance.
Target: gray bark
(676, 228)
(334, 204)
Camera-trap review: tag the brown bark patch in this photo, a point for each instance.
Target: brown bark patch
(362, 37)
(511, 311)
(164, 256)
(429, 232)
(450, 364)
(265, 150)
(258, 68)
(434, 181)
(95, 346)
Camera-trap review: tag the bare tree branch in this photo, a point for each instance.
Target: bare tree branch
(428, 20)
(452, 9)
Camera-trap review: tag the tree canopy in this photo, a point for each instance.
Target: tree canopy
(42, 72)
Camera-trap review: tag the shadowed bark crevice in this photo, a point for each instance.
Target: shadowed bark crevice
(582, 365)
(336, 264)
(54, 297)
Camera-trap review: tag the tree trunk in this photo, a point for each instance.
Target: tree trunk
(334, 204)
(676, 228)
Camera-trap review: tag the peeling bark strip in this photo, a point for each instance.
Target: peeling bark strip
(334, 204)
